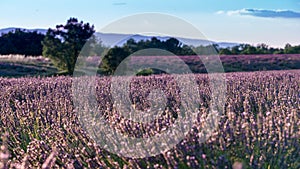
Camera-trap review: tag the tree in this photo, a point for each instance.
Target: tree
(263, 49)
(63, 44)
(173, 45)
(248, 50)
(21, 42)
(113, 58)
(236, 50)
(93, 47)
(225, 51)
(210, 49)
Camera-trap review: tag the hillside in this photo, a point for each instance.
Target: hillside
(21, 66)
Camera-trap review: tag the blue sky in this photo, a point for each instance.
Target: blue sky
(274, 22)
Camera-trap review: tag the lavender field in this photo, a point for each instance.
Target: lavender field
(260, 127)
(20, 66)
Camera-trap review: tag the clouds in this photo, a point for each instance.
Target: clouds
(263, 13)
(119, 3)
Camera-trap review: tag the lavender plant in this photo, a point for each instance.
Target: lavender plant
(259, 129)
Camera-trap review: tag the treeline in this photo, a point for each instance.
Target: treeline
(29, 43)
(172, 46)
(246, 49)
(117, 54)
(21, 42)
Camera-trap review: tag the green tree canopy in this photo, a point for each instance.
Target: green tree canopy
(63, 44)
(289, 49)
(21, 42)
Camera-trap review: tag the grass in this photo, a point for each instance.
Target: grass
(19, 66)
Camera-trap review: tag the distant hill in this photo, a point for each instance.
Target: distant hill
(6, 30)
(109, 39)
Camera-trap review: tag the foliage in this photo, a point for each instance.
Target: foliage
(21, 42)
(93, 47)
(63, 44)
(212, 49)
(246, 49)
(289, 49)
(145, 72)
(117, 54)
(113, 58)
